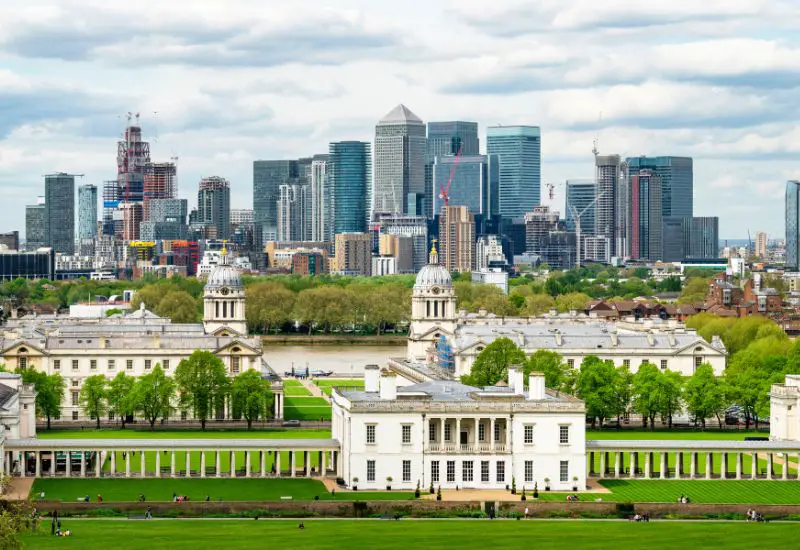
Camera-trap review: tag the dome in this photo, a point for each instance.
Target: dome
(224, 275)
(433, 275)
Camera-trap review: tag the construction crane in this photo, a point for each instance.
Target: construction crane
(577, 215)
(551, 189)
(444, 191)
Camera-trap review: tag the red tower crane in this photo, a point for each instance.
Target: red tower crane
(444, 191)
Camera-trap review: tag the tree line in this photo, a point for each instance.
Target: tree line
(760, 355)
(200, 387)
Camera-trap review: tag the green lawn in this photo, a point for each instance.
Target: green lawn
(702, 491)
(327, 384)
(128, 490)
(404, 534)
(306, 408)
(730, 435)
(293, 388)
(276, 433)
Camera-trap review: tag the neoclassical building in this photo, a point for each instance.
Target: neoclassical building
(135, 342)
(443, 336)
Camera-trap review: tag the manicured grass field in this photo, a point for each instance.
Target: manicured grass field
(306, 408)
(293, 388)
(128, 490)
(404, 534)
(702, 491)
(275, 433)
(327, 384)
(728, 435)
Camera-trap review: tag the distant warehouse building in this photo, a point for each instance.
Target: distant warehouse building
(34, 264)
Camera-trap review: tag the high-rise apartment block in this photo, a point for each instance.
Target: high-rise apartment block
(401, 248)
(293, 212)
(761, 245)
(644, 215)
(214, 206)
(414, 227)
(320, 199)
(87, 212)
(268, 176)
(59, 201)
(36, 225)
(349, 182)
(793, 225)
(690, 238)
(580, 201)
(471, 181)
(353, 254)
(167, 220)
(677, 182)
(400, 151)
(457, 238)
(609, 219)
(133, 161)
(160, 182)
(519, 150)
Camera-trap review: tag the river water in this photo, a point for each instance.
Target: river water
(343, 359)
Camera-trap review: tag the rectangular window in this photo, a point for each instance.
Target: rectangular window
(370, 470)
(481, 432)
(451, 471)
(370, 434)
(56, 364)
(697, 362)
(529, 434)
(466, 470)
(23, 363)
(147, 364)
(447, 432)
(663, 364)
(432, 432)
(485, 471)
(571, 363)
(563, 435)
(75, 382)
(501, 472)
(435, 471)
(74, 415)
(93, 364)
(564, 471)
(112, 364)
(406, 434)
(75, 398)
(406, 470)
(74, 364)
(529, 471)
(129, 364)
(626, 362)
(496, 431)
(235, 364)
(165, 362)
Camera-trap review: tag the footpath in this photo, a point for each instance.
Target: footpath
(314, 389)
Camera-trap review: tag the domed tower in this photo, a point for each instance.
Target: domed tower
(433, 308)
(223, 300)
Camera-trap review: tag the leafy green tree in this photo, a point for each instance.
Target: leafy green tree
(251, 396)
(492, 363)
(694, 290)
(269, 305)
(551, 364)
(153, 394)
(49, 392)
(574, 301)
(646, 393)
(151, 295)
(623, 389)
(596, 386)
(669, 394)
(538, 304)
(121, 396)
(178, 306)
(705, 395)
(94, 395)
(323, 306)
(202, 384)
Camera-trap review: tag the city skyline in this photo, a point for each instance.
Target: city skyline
(729, 108)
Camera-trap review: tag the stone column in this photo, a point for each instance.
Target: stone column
(127, 463)
(678, 465)
(83, 464)
(634, 464)
(754, 465)
(113, 463)
(663, 473)
(458, 434)
(141, 464)
(491, 435)
(617, 460)
(508, 436)
(217, 465)
(770, 464)
(308, 463)
(785, 469)
(693, 466)
(724, 466)
(738, 465)
(278, 463)
(188, 463)
(158, 462)
(591, 463)
(233, 463)
(709, 465)
(262, 458)
(98, 463)
(202, 464)
(603, 465)
(38, 463)
(323, 468)
(292, 464)
(247, 464)
(648, 464)
(172, 463)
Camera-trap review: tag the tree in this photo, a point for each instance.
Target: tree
(645, 393)
(16, 519)
(623, 389)
(694, 290)
(268, 305)
(202, 384)
(324, 305)
(251, 396)
(492, 363)
(574, 301)
(120, 396)
(537, 304)
(596, 383)
(49, 392)
(178, 306)
(153, 394)
(552, 366)
(94, 394)
(704, 395)
(151, 295)
(669, 393)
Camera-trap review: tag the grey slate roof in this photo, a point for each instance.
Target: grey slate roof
(6, 394)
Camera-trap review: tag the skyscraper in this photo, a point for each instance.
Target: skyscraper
(400, 150)
(214, 205)
(457, 238)
(474, 184)
(87, 211)
(35, 225)
(320, 199)
(761, 244)
(447, 138)
(518, 148)
(59, 200)
(690, 238)
(644, 215)
(160, 182)
(607, 221)
(133, 159)
(677, 182)
(293, 212)
(793, 225)
(167, 220)
(580, 196)
(349, 177)
(268, 176)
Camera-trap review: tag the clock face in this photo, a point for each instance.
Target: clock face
(435, 290)
(224, 291)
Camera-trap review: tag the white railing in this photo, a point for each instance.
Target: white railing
(468, 449)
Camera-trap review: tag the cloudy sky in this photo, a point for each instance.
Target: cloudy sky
(222, 83)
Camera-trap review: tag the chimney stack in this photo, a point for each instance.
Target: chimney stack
(388, 385)
(372, 375)
(516, 379)
(536, 386)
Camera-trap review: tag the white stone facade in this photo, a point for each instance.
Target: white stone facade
(784, 404)
(451, 435)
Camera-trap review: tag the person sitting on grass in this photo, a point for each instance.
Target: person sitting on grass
(301, 526)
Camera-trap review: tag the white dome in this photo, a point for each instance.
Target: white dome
(224, 276)
(433, 275)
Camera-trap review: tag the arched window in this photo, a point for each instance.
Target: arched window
(236, 350)
(23, 350)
